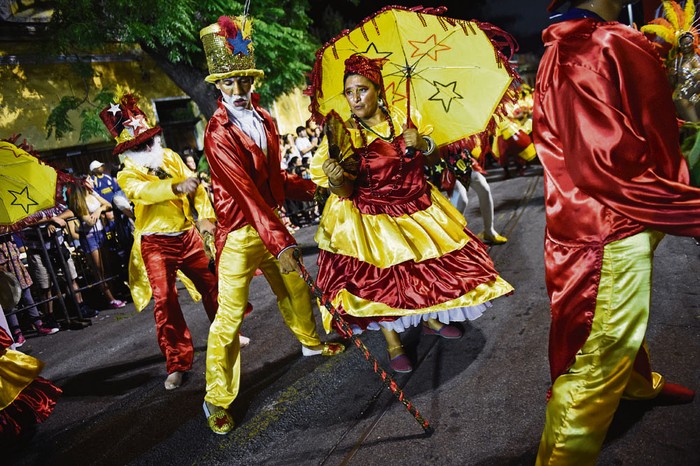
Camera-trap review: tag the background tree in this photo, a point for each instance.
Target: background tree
(168, 31)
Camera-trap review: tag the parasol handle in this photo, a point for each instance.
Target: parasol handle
(410, 151)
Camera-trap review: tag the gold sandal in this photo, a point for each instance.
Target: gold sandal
(219, 422)
(329, 349)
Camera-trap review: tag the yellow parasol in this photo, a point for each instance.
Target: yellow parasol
(448, 70)
(28, 187)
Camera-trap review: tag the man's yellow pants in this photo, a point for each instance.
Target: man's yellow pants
(241, 256)
(612, 364)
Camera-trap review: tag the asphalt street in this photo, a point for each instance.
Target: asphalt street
(483, 395)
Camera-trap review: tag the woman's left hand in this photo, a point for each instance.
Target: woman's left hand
(413, 139)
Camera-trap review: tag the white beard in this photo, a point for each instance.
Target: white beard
(148, 158)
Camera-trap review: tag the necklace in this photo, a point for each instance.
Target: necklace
(398, 178)
(369, 128)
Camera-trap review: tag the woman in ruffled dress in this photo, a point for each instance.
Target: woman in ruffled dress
(394, 253)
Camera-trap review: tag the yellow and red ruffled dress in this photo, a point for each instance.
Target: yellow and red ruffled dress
(25, 398)
(396, 252)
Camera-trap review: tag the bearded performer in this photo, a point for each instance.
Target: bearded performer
(242, 147)
(164, 192)
(615, 181)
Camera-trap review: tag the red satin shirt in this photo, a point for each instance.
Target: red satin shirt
(605, 130)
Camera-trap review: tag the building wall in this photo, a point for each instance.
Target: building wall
(33, 84)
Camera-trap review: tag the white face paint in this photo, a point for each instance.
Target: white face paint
(236, 91)
(150, 157)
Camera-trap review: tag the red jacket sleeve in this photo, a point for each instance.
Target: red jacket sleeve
(298, 188)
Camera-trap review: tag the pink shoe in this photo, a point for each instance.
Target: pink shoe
(401, 363)
(117, 304)
(44, 330)
(449, 332)
(19, 339)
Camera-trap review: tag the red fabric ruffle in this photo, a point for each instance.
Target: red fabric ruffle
(32, 406)
(409, 285)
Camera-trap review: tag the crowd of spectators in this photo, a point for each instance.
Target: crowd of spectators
(296, 153)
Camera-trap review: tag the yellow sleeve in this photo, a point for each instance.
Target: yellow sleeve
(203, 205)
(143, 191)
(320, 156)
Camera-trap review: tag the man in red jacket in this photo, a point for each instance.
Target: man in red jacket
(615, 181)
(242, 148)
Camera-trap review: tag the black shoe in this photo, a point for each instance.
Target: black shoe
(50, 321)
(79, 324)
(87, 311)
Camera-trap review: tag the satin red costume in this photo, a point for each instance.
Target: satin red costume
(167, 243)
(248, 185)
(396, 251)
(606, 133)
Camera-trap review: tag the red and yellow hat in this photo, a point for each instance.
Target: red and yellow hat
(127, 124)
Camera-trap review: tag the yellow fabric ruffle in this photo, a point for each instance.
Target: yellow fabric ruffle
(420, 236)
(17, 371)
(359, 307)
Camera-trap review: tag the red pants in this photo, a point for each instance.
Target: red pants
(163, 256)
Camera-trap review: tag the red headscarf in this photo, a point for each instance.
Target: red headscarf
(370, 68)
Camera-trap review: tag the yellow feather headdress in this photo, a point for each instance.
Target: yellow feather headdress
(675, 22)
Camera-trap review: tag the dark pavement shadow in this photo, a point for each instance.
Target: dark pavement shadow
(111, 380)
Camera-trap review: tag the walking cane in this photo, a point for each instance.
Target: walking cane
(388, 381)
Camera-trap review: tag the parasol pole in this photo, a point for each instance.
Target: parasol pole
(410, 151)
(386, 378)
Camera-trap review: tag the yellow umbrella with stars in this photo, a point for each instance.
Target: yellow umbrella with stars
(450, 71)
(28, 187)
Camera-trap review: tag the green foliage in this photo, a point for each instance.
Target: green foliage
(91, 126)
(58, 121)
(169, 31)
(284, 47)
(103, 98)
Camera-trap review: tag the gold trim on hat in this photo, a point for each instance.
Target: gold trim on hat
(124, 136)
(220, 61)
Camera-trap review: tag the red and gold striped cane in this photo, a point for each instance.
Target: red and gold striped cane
(388, 381)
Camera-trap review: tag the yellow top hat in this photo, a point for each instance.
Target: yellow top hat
(229, 49)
